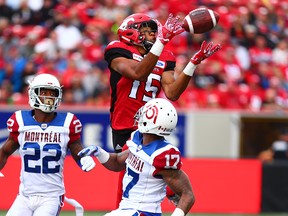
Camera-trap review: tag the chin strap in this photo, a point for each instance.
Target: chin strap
(147, 45)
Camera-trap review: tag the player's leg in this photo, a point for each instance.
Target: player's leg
(49, 206)
(21, 206)
(119, 139)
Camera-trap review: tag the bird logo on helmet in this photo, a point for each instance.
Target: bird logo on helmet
(129, 30)
(158, 116)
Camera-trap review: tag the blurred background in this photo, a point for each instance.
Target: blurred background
(232, 126)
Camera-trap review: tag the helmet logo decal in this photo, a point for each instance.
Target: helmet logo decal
(124, 25)
(152, 113)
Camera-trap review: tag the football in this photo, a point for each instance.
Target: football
(200, 20)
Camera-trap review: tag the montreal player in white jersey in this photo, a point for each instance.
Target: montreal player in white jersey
(151, 163)
(43, 138)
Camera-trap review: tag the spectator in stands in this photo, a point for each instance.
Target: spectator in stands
(233, 96)
(231, 67)
(241, 55)
(69, 37)
(112, 8)
(242, 21)
(47, 46)
(8, 40)
(5, 10)
(45, 13)
(250, 34)
(278, 149)
(254, 91)
(24, 15)
(6, 92)
(93, 84)
(280, 53)
(260, 52)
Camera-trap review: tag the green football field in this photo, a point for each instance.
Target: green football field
(102, 213)
(72, 213)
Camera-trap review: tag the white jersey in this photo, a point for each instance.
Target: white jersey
(143, 189)
(43, 147)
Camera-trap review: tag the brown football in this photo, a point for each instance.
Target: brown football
(200, 20)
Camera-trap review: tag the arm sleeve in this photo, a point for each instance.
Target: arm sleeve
(115, 53)
(170, 66)
(75, 129)
(169, 159)
(13, 127)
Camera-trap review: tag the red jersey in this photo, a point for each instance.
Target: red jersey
(128, 95)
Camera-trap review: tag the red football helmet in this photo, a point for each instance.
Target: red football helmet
(129, 30)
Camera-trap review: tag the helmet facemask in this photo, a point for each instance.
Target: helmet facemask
(48, 103)
(130, 30)
(147, 45)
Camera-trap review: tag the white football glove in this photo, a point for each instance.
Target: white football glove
(171, 28)
(87, 163)
(97, 151)
(90, 150)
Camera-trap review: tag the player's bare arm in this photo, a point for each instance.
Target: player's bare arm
(179, 182)
(116, 161)
(173, 87)
(112, 161)
(7, 149)
(85, 162)
(75, 147)
(133, 69)
(146, 34)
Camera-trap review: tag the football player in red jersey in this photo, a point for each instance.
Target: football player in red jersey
(140, 67)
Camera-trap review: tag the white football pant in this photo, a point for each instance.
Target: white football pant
(35, 206)
(123, 212)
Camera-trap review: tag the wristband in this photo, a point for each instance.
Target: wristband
(178, 212)
(157, 48)
(103, 156)
(189, 69)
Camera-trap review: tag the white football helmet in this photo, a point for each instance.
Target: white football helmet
(158, 116)
(45, 81)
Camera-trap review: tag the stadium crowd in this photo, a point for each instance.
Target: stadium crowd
(67, 38)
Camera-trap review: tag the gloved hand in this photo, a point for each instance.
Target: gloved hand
(88, 151)
(172, 27)
(87, 163)
(205, 52)
(97, 151)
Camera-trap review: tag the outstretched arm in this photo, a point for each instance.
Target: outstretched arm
(173, 87)
(112, 161)
(141, 70)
